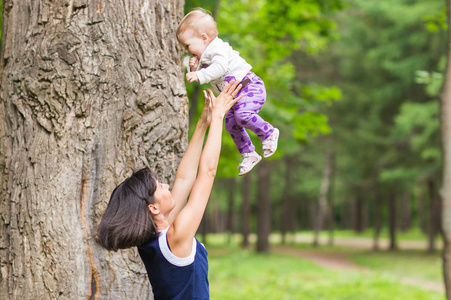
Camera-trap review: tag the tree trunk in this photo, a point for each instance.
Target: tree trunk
(264, 206)
(377, 212)
(322, 207)
(406, 215)
(330, 214)
(287, 201)
(392, 220)
(433, 215)
(230, 208)
(246, 210)
(357, 215)
(89, 90)
(421, 214)
(446, 176)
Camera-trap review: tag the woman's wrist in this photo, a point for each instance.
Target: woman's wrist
(202, 124)
(218, 115)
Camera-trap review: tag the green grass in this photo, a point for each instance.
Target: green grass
(239, 274)
(412, 264)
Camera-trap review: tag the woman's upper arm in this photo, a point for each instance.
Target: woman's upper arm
(188, 220)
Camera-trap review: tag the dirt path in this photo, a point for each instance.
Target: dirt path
(339, 261)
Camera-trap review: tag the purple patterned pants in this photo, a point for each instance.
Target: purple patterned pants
(244, 114)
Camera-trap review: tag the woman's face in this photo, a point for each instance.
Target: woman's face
(164, 198)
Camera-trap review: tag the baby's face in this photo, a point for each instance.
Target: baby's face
(193, 43)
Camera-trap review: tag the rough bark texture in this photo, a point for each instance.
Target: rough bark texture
(89, 91)
(446, 177)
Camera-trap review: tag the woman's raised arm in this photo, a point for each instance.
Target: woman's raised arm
(186, 223)
(187, 169)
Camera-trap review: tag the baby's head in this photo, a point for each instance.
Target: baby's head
(196, 31)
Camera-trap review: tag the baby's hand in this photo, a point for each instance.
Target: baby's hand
(192, 76)
(193, 63)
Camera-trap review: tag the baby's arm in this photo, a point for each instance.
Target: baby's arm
(217, 68)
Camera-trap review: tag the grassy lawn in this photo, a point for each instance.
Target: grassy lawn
(413, 263)
(242, 274)
(239, 274)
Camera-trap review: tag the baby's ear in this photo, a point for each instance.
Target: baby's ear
(204, 36)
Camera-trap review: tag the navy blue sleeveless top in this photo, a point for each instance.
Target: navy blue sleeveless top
(173, 277)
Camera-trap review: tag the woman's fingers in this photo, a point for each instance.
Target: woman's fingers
(212, 96)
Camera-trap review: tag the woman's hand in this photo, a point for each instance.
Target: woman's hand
(225, 100)
(205, 116)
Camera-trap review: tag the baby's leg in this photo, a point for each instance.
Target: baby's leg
(238, 133)
(246, 110)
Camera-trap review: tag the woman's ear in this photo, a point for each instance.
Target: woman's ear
(153, 209)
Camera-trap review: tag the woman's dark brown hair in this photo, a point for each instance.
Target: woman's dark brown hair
(127, 221)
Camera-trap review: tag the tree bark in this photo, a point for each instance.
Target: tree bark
(89, 90)
(264, 206)
(246, 210)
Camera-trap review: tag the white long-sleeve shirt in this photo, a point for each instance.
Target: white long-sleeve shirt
(218, 61)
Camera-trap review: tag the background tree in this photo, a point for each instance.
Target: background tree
(89, 90)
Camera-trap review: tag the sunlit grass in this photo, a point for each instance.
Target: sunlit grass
(243, 274)
(407, 263)
(240, 274)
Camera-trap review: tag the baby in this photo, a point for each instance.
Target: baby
(214, 61)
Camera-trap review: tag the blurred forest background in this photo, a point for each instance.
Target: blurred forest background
(354, 88)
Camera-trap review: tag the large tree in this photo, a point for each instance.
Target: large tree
(89, 91)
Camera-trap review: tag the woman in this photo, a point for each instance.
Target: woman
(143, 212)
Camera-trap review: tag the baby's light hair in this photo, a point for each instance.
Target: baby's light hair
(199, 21)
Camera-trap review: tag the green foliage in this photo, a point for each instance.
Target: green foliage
(266, 33)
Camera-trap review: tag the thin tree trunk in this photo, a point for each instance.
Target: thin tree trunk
(287, 200)
(357, 217)
(322, 207)
(433, 215)
(89, 90)
(377, 213)
(246, 210)
(264, 205)
(230, 208)
(392, 220)
(331, 198)
(406, 215)
(421, 214)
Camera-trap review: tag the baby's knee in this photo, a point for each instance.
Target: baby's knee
(244, 117)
